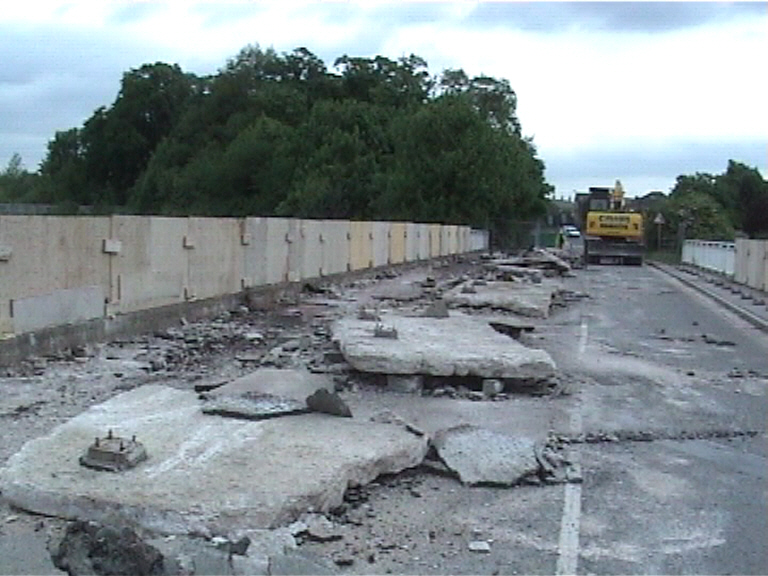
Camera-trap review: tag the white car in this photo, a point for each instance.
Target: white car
(571, 231)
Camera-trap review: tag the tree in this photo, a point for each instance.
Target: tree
(740, 196)
(16, 184)
(273, 134)
(744, 193)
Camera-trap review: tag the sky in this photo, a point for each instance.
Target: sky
(639, 92)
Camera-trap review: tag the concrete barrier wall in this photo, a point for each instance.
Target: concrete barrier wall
(422, 235)
(434, 240)
(335, 238)
(397, 241)
(745, 261)
(214, 251)
(717, 257)
(52, 271)
(478, 240)
(360, 245)
(148, 262)
(57, 270)
(254, 239)
(380, 243)
(752, 263)
(412, 242)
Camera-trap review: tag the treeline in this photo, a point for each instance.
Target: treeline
(713, 207)
(282, 135)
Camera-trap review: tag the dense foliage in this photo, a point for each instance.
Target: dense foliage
(273, 134)
(713, 207)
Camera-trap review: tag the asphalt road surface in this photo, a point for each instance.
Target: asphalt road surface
(671, 404)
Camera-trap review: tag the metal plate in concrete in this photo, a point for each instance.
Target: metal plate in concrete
(523, 298)
(205, 475)
(457, 346)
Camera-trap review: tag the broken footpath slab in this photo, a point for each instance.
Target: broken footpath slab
(204, 474)
(459, 345)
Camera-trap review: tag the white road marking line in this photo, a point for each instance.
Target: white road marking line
(568, 545)
(584, 336)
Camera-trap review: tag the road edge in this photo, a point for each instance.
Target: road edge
(756, 321)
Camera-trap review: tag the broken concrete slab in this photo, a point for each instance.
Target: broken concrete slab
(398, 291)
(204, 475)
(252, 406)
(461, 345)
(90, 548)
(523, 298)
(328, 403)
(505, 271)
(438, 309)
(542, 259)
(483, 457)
(405, 384)
(26, 553)
(284, 383)
(264, 393)
(299, 563)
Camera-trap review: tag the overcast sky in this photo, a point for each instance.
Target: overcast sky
(639, 92)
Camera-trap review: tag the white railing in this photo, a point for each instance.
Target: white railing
(714, 256)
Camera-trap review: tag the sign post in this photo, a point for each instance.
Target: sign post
(659, 221)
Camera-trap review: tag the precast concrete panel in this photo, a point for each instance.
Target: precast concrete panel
(67, 306)
(422, 234)
(397, 232)
(752, 261)
(254, 240)
(380, 243)
(335, 241)
(45, 255)
(295, 247)
(742, 258)
(448, 240)
(465, 241)
(412, 242)
(279, 240)
(434, 240)
(150, 265)
(360, 245)
(310, 249)
(215, 257)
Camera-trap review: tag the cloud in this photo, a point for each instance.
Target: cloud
(608, 16)
(132, 12)
(646, 165)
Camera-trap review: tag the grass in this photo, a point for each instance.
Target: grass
(664, 256)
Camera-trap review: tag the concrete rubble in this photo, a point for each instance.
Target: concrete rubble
(460, 345)
(523, 298)
(272, 392)
(231, 464)
(221, 454)
(482, 457)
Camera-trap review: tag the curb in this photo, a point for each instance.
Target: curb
(753, 319)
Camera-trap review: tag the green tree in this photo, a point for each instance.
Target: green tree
(743, 192)
(18, 185)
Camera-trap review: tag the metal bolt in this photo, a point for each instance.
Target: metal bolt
(133, 438)
(109, 434)
(122, 447)
(96, 442)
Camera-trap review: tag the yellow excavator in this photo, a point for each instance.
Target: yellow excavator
(612, 233)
